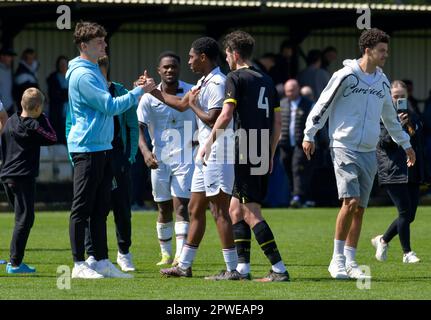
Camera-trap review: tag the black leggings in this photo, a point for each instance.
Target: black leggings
(405, 197)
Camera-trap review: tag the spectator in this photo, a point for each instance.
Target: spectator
(314, 76)
(6, 79)
(426, 118)
(286, 63)
(23, 135)
(329, 55)
(125, 147)
(401, 182)
(58, 97)
(308, 93)
(294, 112)
(89, 141)
(265, 63)
(414, 103)
(25, 75)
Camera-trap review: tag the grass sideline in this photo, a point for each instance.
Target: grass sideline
(304, 237)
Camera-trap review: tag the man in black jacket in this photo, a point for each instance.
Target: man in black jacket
(294, 112)
(25, 75)
(21, 139)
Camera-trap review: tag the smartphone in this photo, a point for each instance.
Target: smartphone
(401, 105)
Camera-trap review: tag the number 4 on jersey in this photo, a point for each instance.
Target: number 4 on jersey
(262, 102)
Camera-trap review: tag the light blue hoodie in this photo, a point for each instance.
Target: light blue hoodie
(91, 107)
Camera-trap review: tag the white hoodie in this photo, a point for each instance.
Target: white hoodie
(354, 109)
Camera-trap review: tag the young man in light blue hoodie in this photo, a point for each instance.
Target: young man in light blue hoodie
(354, 101)
(91, 111)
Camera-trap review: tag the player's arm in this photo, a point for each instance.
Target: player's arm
(276, 131)
(209, 118)
(222, 121)
(179, 104)
(149, 157)
(225, 116)
(228, 92)
(319, 114)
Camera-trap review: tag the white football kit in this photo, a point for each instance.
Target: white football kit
(218, 173)
(171, 135)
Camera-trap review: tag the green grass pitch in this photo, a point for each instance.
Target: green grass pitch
(304, 237)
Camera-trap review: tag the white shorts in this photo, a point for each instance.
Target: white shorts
(212, 178)
(173, 180)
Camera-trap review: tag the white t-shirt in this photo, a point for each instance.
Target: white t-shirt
(1, 106)
(212, 96)
(171, 131)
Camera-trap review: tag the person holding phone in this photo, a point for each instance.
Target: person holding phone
(401, 182)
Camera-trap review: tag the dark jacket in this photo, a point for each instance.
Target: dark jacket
(58, 96)
(392, 159)
(20, 144)
(302, 112)
(24, 78)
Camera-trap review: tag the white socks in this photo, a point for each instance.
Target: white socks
(350, 254)
(187, 256)
(243, 268)
(230, 258)
(279, 267)
(164, 234)
(181, 231)
(341, 248)
(338, 247)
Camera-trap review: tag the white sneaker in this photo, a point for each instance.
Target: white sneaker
(381, 248)
(91, 261)
(354, 272)
(337, 267)
(83, 271)
(125, 262)
(108, 270)
(410, 257)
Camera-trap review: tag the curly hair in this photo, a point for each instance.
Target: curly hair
(86, 31)
(241, 42)
(370, 38)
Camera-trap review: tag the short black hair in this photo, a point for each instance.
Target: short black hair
(57, 62)
(287, 44)
(170, 54)
(329, 49)
(313, 56)
(268, 55)
(27, 52)
(241, 42)
(207, 46)
(370, 38)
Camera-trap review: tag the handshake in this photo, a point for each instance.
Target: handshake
(145, 82)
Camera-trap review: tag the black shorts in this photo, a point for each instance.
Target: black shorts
(249, 188)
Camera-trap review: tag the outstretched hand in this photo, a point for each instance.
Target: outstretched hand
(193, 95)
(147, 83)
